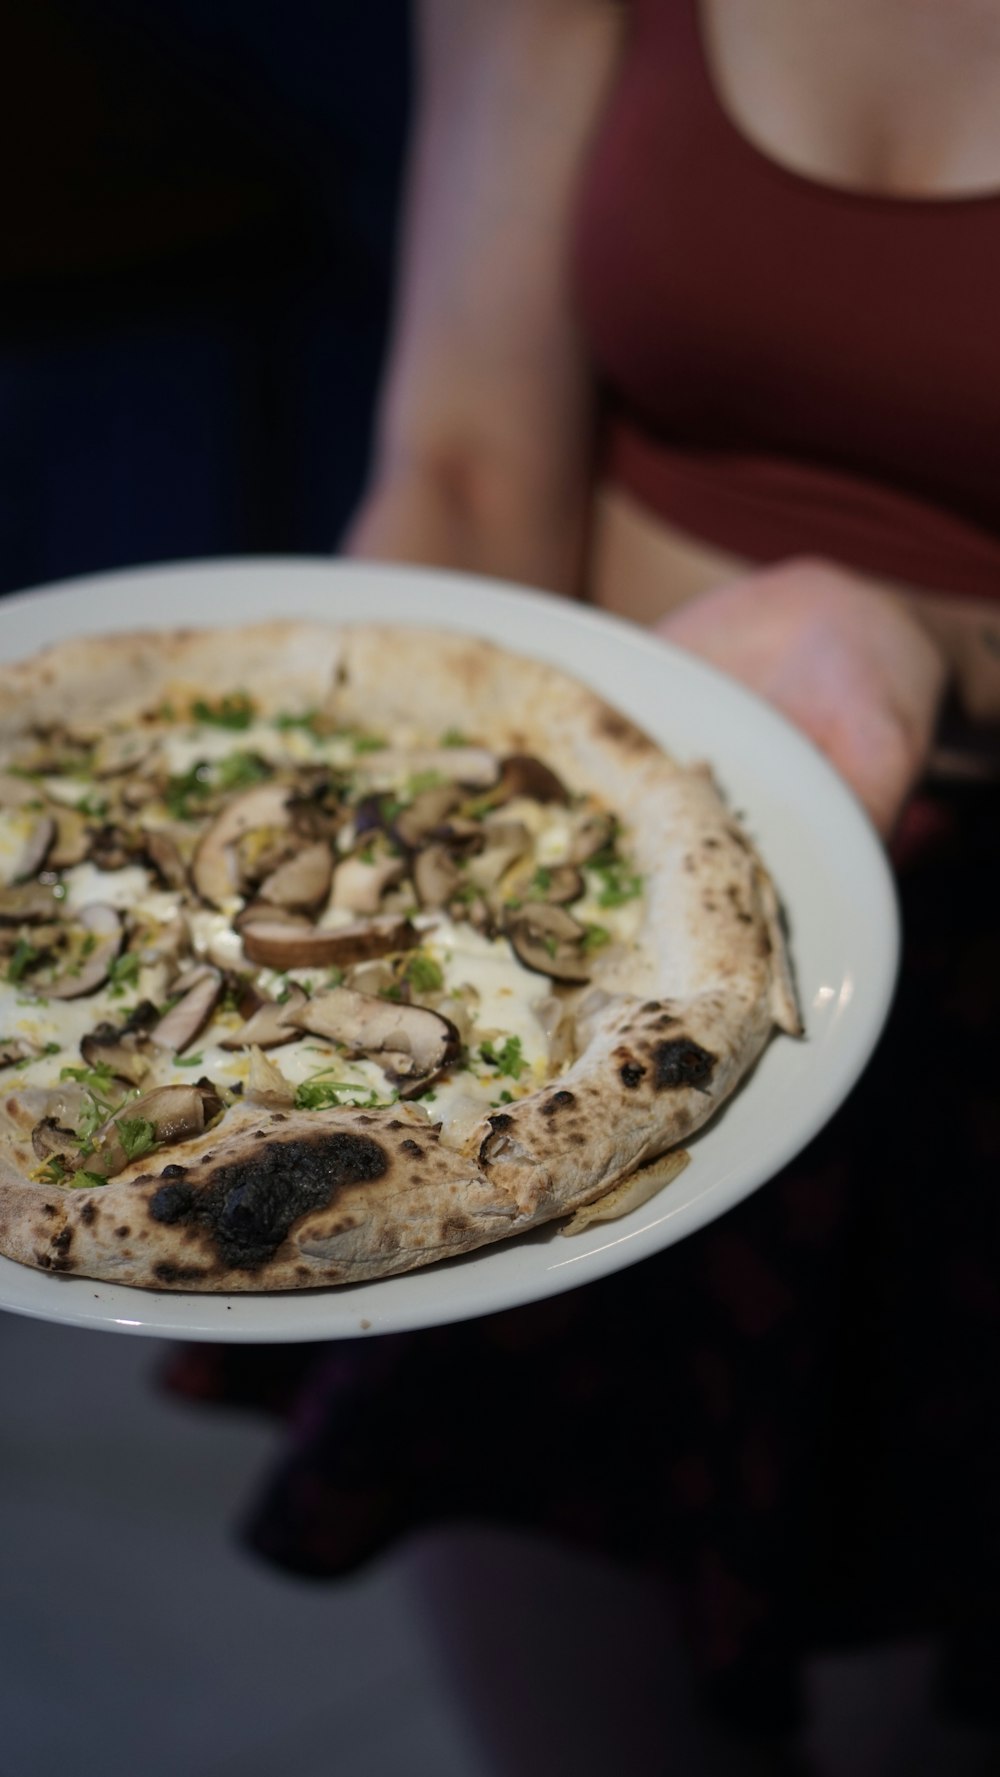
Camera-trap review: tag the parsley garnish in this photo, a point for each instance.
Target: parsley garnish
(235, 710)
(189, 1060)
(123, 973)
(620, 884)
(137, 1136)
(23, 957)
(83, 1181)
(423, 973)
(594, 936)
(507, 1059)
(237, 770)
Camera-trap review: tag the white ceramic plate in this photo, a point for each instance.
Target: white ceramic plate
(826, 860)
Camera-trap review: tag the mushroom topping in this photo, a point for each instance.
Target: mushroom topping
(472, 766)
(16, 1049)
(167, 1114)
(303, 881)
(213, 869)
(178, 1028)
(436, 876)
(361, 880)
(102, 940)
(266, 1084)
(523, 775)
(165, 857)
(596, 830)
(36, 848)
(119, 1050)
(425, 813)
(268, 1026)
(125, 749)
(410, 1042)
(275, 945)
(558, 883)
(50, 1140)
(112, 848)
(506, 841)
(72, 840)
(27, 904)
(549, 940)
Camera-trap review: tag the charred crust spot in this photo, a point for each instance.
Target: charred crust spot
(682, 1062)
(174, 1171)
(43, 1261)
(563, 1097)
(631, 1073)
(49, 1209)
(88, 1214)
(123, 1232)
(453, 1228)
(395, 1124)
(618, 728)
(168, 1273)
(500, 1122)
(651, 1006)
(248, 1207)
(363, 1117)
(409, 1146)
(62, 1241)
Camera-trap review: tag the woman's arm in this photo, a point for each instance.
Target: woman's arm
(484, 437)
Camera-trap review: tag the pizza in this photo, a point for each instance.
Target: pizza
(326, 953)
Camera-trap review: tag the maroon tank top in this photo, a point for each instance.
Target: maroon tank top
(787, 366)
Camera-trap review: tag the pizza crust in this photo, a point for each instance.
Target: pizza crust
(275, 1200)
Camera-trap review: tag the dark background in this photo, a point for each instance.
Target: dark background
(199, 213)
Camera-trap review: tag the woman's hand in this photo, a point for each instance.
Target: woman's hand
(843, 659)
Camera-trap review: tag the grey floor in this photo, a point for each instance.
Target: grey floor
(137, 1640)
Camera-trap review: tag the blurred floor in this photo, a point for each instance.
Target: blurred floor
(138, 1639)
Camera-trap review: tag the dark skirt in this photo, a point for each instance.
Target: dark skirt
(789, 1414)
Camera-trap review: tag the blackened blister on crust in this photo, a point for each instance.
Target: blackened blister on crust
(249, 1207)
(682, 1062)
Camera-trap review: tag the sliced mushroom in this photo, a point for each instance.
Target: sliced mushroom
(36, 848)
(425, 813)
(303, 882)
(16, 1049)
(521, 774)
(165, 857)
(268, 1027)
(123, 750)
(261, 912)
(592, 833)
(175, 1113)
(111, 847)
(50, 1140)
(559, 883)
(121, 1050)
(213, 868)
(266, 1084)
(436, 876)
(277, 946)
(72, 840)
(548, 940)
(178, 1028)
(103, 924)
(27, 903)
(359, 882)
(412, 1043)
(506, 841)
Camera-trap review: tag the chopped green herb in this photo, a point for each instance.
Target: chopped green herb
(594, 936)
(335, 978)
(238, 770)
(235, 710)
(508, 1059)
(84, 1181)
(22, 958)
(137, 1136)
(191, 785)
(189, 1060)
(424, 780)
(393, 992)
(423, 973)
(542, 880)
(620, 884)
(124, 973)
(505, 1098)
(285, 720)
(368, 743)
(453, 737)
(93, 805)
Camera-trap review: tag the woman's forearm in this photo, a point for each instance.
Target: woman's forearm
(477, 523)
